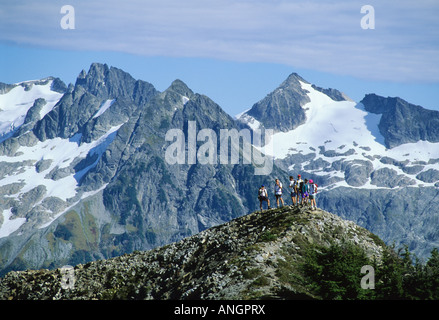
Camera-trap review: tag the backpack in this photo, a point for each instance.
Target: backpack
(313, 188)
(305, 188)
(301, 186)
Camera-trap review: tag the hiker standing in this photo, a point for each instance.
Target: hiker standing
(293, 186)
(305, 192)
(312, 194)
(299, 183)
(263, 196)
(278, 192)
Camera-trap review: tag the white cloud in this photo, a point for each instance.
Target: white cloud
(320, 35)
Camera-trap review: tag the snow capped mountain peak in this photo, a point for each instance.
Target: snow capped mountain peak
(329, 123)
(283, 109)
(340, 143)
(292, 80)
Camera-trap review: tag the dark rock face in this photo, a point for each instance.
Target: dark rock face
(389, 178)
(58, 85)
(334, 94)
(357, 172)
(282, 109)
(430, 175)
(402, 122)
(78, 106)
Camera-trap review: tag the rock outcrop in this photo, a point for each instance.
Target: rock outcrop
(403, 122)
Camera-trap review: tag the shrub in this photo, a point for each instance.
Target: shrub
(335, 272)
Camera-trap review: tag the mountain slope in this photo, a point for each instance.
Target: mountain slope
(254, 256)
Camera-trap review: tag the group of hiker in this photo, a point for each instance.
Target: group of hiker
(303, 193)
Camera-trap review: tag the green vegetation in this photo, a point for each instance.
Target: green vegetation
(261, 281)
(335, 273)
(251, 273)
(268, 236)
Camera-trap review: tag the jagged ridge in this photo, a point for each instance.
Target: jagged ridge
(241, 259)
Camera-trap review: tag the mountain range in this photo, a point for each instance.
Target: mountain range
(83, 172)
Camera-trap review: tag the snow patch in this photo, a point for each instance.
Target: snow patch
(107, 104)
(250, 121)
(15, 104)
(239, 115)
(62, 152)
(330, 124)
(10, 225)
(185, 99)
(84, 196)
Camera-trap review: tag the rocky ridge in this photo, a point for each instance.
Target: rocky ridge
(256, 256)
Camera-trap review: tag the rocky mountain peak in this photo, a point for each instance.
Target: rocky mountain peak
(106, 82)
(178, 86)
(58, 86)
(292, 81)
(281, 109)
(175, 97)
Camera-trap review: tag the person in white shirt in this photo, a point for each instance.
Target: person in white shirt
(312, 194)
(263, 196)
(278, 192)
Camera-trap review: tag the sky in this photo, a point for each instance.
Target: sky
(234, 51)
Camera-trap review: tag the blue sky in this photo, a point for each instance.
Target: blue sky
(233, 51)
